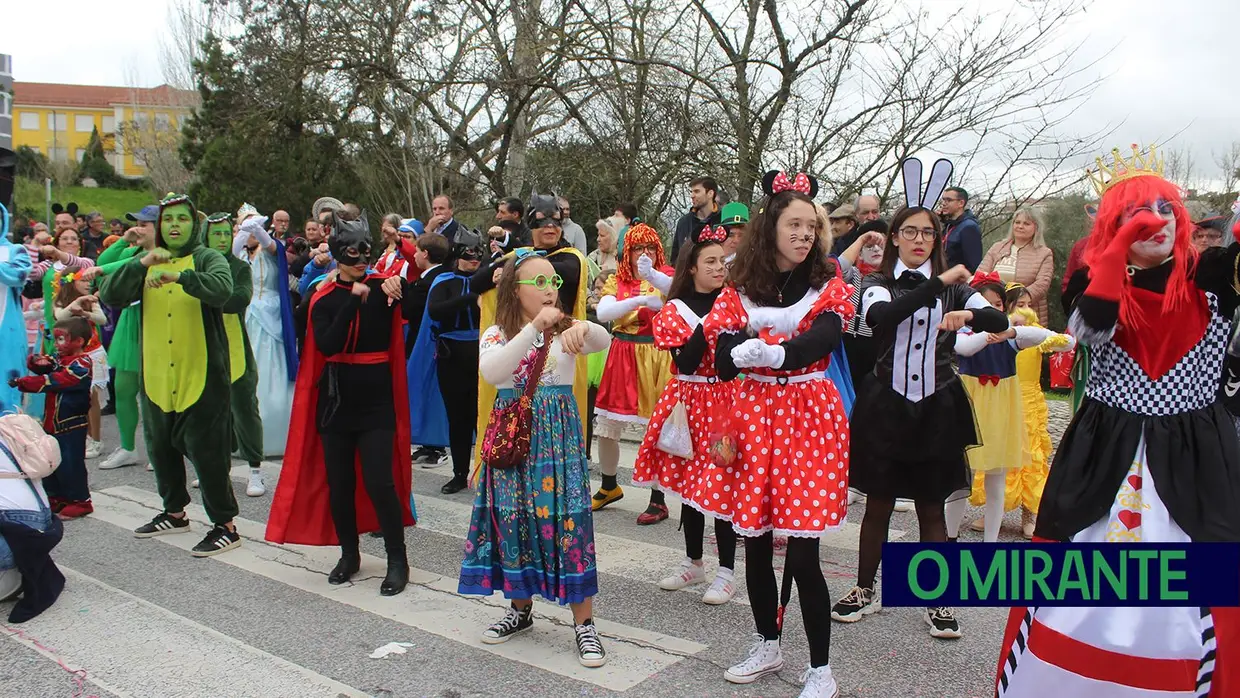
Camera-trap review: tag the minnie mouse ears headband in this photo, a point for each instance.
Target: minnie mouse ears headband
(939, 174)
(70, 209)
(708, 234)
(774, 182)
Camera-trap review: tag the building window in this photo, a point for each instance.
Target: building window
(29, 121)
(143, 119)
(58, 122)
(83, 123)
(109, 124)
(161, 122)
(79, 154)
(60, 154)
(6, 104)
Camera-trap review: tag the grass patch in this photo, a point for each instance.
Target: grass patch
(1053, 395)
(30, 195)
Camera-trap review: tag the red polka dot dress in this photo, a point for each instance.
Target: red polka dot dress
(676, 328)
(791, 428)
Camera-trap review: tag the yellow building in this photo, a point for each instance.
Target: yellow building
(136, 125)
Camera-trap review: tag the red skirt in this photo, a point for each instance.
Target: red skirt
(685, 477)
(792, 474)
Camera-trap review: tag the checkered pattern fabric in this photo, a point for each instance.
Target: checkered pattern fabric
(1116, 380)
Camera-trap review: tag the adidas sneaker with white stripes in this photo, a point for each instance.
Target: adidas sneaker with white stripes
(218, 540)
(163, 524)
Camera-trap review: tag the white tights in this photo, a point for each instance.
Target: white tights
(994, 483)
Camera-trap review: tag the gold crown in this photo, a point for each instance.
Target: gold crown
(1138, 165)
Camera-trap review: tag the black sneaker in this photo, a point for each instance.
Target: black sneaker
(217, 541)
(162, 524)
(856, 604)
(424, 455)
(511, 624)
(590, 650)
(943, 624)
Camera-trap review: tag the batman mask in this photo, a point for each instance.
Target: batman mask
(350, 241)
(469, 245)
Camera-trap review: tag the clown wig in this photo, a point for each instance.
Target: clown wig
(1120, 200)
(639, 235)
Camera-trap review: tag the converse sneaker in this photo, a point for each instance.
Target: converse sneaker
(855, 605)
(255, 488)
(943, 624)
(721, 590)
(218, 540)
(764, 658)
(689, 574)
(819, 683)
(93, 448)
(162, 524)
(514, 622)
(590, 650)
(119, 459)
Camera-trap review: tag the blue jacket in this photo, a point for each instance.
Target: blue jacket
(310, 273)
(963, 242)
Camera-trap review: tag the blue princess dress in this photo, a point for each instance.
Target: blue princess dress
(531, 531)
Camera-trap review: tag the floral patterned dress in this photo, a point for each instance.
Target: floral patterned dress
(531, 531)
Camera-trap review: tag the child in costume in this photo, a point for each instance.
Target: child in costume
(350, 415)
(269, 326)
(778, 321)
(988, 371)
(696, 390)
(914, 307)
(636, 369)
(74, 299)
(125, 351)
(65, 380)
(1024, 484)
(1150, 457)
(532, 531)
(14, 267)
(185, 393)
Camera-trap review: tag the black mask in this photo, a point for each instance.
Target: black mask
(350, 241)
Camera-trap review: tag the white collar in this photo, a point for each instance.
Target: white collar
(428, 269)
(924, 269)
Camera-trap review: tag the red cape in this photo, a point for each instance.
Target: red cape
(299, 509)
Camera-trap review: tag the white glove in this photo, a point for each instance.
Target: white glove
(755, 353)
(257, 226)
(653, 302)
(644, 265)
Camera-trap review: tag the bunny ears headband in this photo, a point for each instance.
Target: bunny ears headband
(774, 182)
(939, 174)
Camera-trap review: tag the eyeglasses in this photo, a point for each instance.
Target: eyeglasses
(646, 249)
(912, 234)
(541, 281)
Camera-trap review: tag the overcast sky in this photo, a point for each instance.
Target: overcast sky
(1171, 70)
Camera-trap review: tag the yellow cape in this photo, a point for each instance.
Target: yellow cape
(486, 391)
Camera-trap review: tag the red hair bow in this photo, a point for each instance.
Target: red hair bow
(799, 183)
(990, 278)
(993, 380)
(716, 234)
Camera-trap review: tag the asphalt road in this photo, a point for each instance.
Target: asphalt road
(143, 618)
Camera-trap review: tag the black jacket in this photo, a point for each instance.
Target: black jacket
(685, 229)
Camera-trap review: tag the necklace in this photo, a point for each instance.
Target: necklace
(779, 296)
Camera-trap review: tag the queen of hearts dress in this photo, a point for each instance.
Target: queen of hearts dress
(791, 475)
(678, 329)
(1151, 456)
(636, 370)
(913, 390)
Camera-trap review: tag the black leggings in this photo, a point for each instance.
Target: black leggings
(694, 523)
(803, 566)
(457, 368)
(375, 449)
(930, 520)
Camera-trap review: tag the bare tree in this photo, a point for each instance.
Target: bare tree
(1180, 166)
(1228, 162)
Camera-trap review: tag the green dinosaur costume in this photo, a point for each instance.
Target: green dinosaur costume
(247, 426)
(183, 286)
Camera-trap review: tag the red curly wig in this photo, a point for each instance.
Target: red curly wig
(1120, 200)
(639, 234)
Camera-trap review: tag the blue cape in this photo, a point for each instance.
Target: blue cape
(286, 314)
(428, 418)
(840, 374)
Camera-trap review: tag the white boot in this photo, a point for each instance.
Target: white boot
(764, 658)
(819, 683)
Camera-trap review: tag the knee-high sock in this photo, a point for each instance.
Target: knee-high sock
(954, 511)
(995, 483)
(127, 383)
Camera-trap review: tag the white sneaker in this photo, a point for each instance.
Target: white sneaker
(119, 459)
(255, 488)
(150, 467)
(819, 683)
(93, 448)
(194, 483)
(764, 658)
(903, 505)
(854, 496)
(721, 590)
(689, 574)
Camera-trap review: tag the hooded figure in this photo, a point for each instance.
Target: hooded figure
(14, 266)
(186, 372)
(350, 417)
